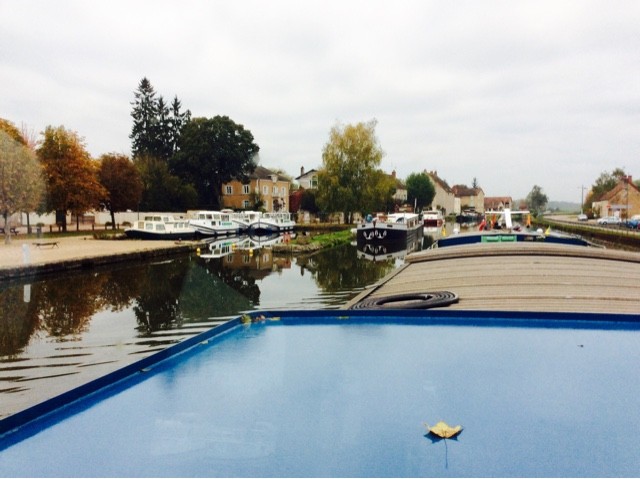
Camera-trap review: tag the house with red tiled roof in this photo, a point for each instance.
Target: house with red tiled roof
(622, 200)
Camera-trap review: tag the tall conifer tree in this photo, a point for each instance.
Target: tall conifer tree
(145, 130)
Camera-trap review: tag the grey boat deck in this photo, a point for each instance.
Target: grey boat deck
(520, 277)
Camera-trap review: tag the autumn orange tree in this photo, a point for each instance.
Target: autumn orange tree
(20, 178)
(10, 129)
(72, 176)
(122, 183)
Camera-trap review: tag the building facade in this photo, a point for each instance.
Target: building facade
(400, 196)
(468, 198)
(308, 180)
(497, 203)
(269, 187)
(444, 199)
(622, 201)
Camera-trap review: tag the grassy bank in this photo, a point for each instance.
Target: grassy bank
(325, 240)
(310, 241)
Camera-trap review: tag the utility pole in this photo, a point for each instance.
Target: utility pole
(582, 199)
(627, 185)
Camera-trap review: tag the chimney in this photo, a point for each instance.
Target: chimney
(302, 171)
(393, 174)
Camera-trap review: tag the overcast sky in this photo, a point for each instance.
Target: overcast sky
(512, 93)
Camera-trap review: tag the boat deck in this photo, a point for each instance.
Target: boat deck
(519, 277)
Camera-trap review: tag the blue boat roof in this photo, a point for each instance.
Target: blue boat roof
(348, 393)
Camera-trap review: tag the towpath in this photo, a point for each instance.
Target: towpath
(25, 256)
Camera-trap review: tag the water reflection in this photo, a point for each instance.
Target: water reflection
(389, 252)
(108, 317)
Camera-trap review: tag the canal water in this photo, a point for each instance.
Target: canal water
(58, 332)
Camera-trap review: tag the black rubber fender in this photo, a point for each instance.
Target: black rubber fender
(426, 300)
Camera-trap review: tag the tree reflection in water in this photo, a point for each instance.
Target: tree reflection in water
(165, 295)
(339, 269)
(18, 320)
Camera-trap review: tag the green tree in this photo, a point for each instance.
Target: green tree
(256, 200)
(213, 151)
(537, 200)
(21, 179)
(164, 147)
(604, 183)
(378, 194)
(72, 177)
(122, 183)
(176, 123)
(420, 190)
(161, 190)
(348, 180)
(308, 201)
(156, 126)
(145, 129)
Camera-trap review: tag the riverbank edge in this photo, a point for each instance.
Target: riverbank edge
(621, 238)
(51, 267)
(100, 259)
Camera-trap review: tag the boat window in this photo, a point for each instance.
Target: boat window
(148, 226)
(160, 227)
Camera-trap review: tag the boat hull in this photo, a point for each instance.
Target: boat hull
(265, 227)
(216, 231)
(150, 235)
(433, 223)
(466, 239)
(387, 234)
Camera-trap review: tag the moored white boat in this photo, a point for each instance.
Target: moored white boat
(161, 226)
(469, 218)
(432, 218)
(272, 223)
(214, 223)
(219, 248)
(244, 219)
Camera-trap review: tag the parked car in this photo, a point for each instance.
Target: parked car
(609, 220)
(633, 222)
(583, 217)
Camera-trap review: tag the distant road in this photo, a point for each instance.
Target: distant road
(592, 226)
